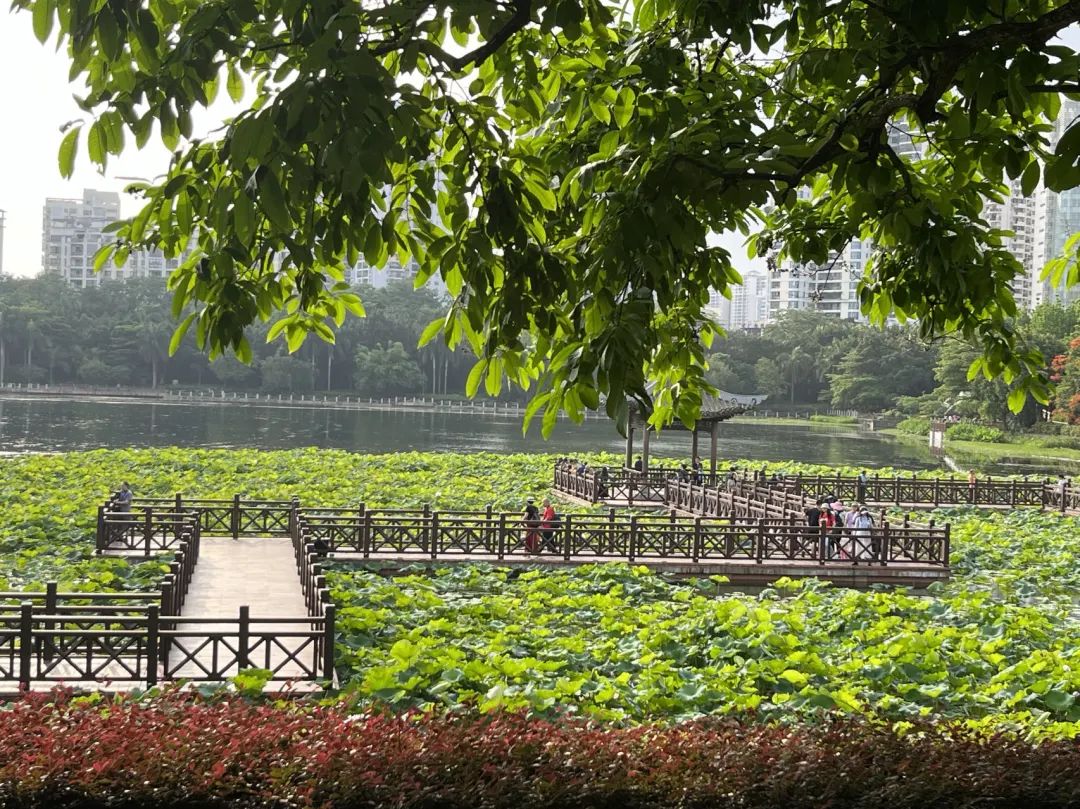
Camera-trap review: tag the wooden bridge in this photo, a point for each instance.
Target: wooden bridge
(147, 638)
(629, 488)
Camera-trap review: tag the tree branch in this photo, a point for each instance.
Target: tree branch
(518, 20)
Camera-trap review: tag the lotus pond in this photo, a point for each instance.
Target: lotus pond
(998, 644)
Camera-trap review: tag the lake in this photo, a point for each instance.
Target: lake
(56, 424)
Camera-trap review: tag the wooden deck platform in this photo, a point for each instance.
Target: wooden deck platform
(748, 572)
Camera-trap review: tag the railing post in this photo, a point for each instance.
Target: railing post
(695, 553)
(489, 524)
(243, 643)
(883, 554)
(568, 537)
(235, 517)
(502, 536)
(760, 550)
(823, 545)
(101, 543)
(1064, 496)
(50, 609)
(434, 531)
(179, 501)
(26, 643)
(425, 528)
(148, 529)
(151, 645)
(365, 537)
(631, 547)
(947, 539)
(328, 643)
(1012, 494)
(937, 492)
(896, 489)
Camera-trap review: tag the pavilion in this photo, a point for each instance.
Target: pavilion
(714, 409)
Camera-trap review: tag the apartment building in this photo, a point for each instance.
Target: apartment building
(72, 233)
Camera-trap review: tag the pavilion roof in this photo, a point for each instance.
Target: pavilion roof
(713, 408)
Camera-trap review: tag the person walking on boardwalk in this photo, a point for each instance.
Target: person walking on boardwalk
(697, 473)
(860, 487)
(531, 519)
(548, 524)
(972, 483)
(862, 547)
(123, 498)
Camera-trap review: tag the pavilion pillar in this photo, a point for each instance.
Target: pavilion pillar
(712, 447)
(629, 446)
(693, 444)
(645, 449)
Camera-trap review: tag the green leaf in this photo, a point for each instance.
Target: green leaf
(43, 19)
(1030, 179)
(179, 332)
(234, 84)
(69, 148)
(272, 201)
(600, 110)
(624, 107)
(573, 110)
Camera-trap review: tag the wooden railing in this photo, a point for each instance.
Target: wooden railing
(234, 518)
(598, 484)
(143, 646)
(588, 537)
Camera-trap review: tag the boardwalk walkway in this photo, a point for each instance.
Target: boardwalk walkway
(254, 572)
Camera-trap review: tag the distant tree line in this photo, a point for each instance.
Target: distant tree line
(808, 358)
(119, 333)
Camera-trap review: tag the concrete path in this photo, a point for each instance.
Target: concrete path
(259, 573)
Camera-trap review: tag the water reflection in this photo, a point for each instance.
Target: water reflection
(29, 425)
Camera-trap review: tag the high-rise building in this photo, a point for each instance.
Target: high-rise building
(1017, 214)
(832, 288)
(1057, 217)
(748, 306)
(72, 233)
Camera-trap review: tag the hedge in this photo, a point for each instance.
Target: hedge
(178, 751)
(915, 425)
(974, 432)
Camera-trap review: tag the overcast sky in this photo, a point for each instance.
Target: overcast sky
(37, 100)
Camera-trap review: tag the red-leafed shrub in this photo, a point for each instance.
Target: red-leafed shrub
(178, 751)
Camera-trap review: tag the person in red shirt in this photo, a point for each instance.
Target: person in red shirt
(548, 524)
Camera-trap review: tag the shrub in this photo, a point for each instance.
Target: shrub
(834, 419)
(974, 432)
(178, 751)
(916, 425)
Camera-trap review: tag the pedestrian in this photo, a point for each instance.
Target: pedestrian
(837, 530)
(862, 547)
(1062, 488)
(637, 465)
(582, 466)
(826, 523)
(813, 515)
(973, 482)
(860, 487)
(531, 519)
(548, 523)
(731, 483)
(122, 499)
(697, 471)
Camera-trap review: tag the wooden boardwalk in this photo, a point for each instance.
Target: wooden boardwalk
(257, 573)
(737, 571)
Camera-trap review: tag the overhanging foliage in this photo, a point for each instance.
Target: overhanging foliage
(561, 164)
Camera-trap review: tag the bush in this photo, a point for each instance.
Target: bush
(974, 432)
(914, 426)
(834, 419)
(178, 751)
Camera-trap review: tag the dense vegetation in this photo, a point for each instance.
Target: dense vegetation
(119, 334)
(998, 643)
(178, 752)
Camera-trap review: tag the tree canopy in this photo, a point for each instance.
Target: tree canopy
(562, 164)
